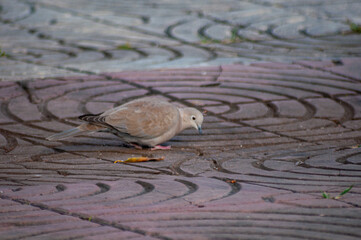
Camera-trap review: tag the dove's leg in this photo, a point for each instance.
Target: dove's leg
(136, 146)
(160, 147)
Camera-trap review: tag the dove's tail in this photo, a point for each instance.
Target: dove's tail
(67, 133)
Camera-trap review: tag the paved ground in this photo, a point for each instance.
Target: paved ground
(276, 135)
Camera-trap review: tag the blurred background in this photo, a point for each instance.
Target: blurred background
(42, 38)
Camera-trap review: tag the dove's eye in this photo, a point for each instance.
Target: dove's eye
(193, 118)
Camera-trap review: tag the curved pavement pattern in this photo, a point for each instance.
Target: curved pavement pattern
(45, 38)
(276, 135)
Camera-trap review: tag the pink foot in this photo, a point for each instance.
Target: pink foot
(160, 147)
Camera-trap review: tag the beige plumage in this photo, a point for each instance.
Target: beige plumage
(144, 122)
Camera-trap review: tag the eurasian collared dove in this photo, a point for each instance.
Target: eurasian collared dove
(144, 122)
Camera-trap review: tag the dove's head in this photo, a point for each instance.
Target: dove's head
(191, 117)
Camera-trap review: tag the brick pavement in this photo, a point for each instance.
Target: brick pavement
(276, 135)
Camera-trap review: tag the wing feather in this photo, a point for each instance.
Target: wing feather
(145, 118)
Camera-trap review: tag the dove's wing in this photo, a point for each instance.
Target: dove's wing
(145, 118)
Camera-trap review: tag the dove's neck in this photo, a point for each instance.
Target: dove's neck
(184, 123)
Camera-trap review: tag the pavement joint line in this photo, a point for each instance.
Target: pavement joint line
(84, 217)
(330, 71)
(235, 187)
(28, 91)
(308, 214)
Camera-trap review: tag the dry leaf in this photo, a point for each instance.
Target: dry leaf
(231, 181)
(139, 159)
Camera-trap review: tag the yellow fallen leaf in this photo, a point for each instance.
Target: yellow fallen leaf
(231, 181)
(139, 159)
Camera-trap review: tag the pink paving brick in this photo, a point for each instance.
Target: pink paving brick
(271, 144)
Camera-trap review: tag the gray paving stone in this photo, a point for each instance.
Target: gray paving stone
(219, 32)
(273, 31)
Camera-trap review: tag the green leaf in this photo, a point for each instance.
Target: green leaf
(326, 195)
(2, 54)
(207, 40)
(125, 46)
(346, 190)
(355, 28)
(234, 36)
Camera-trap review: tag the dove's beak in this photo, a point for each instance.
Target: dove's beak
(200, 129)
